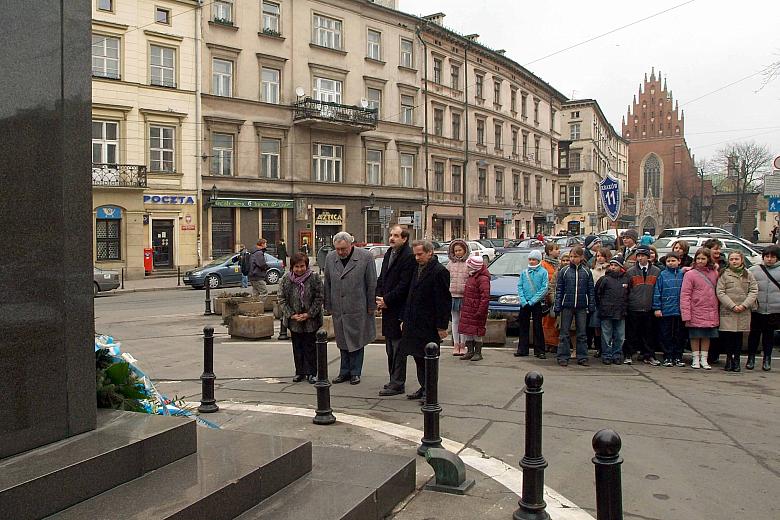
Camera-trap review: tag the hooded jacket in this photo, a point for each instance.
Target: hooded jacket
(476, 298)
(736, 289)
(666, 295)
(574, 289)
(698, 301)
(612, 295)
(457, 268)
(768, 293)
(532, 285)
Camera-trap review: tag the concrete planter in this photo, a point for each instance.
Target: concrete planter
(495, 333)
(327, 324)
(270, 301)
(219, 304)
(230, 310)
(251, 327)
(250, 307)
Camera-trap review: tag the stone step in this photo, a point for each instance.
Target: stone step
(343, 485)
(123, 447)
(231, 472)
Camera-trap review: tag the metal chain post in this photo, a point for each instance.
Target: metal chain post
(324, 413)
(207, 402)
(431, 409)
(609, 493)
(532, 504)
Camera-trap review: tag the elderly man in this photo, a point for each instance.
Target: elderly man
(350, 292)
(392, 288)
(427, 311)
(258, 269)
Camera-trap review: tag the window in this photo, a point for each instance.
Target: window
(574, 194)
(497, 136)
(537, 143)
(374, 45)
(497, 92)
(524, 105)
(327, 32)
(527, 189)
(271, 15)
(374, 96)
(514, 142)
(105, 5)
(407, 53)
(538, 191)
(455, 77)
(481, 132)
(482, 186)
(374, 228)
(269, 158)
(407, 170)
(456, 126)
(438, 176)
(438, 121)
(269, 85)
(456, 178)
(222, 77)
(563, 195)
(407, 110)
(105, 142)
(436, 70)
(221, 154)
(652, 171)
(499, 184)
(326, 163)
(162, 15)
(327, 90)
(107, 238)
(480, 80)
(373, 167)
(575, 115)
(161, 148)
(525, 145)
(515, 186)
(513, 100)
(574, 161)
(223, 11)
(574, 131)
(536, 110)
(163, 66)
(105, 56)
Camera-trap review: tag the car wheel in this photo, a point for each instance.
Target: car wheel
(95, 289)
(272, 276)
(486, 259)
(213, 281)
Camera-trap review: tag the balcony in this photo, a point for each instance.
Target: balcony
(326, 115)
(118, 175)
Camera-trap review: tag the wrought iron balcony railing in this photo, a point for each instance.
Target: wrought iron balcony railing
(309, 108)
(119, 175)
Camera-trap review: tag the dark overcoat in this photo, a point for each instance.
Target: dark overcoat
(427, 308)
(393, 286)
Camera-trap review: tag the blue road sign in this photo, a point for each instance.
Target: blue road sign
(609, 190)
(774, 203)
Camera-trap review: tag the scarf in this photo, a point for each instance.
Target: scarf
(300, 280)
(553, 261)
(738, 270)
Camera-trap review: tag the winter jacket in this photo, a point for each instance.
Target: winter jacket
(574, 289)
(685, 261)
(629, 257)
(457, 268)
(732, 290)
(393, 285)
(768, 293)
(532, 285)
(258, 267)
(427, 308)
(476, 297)
(612, 295)
(640, 288)
(290, 302)
(598, 270)
(698, 301)
(666, 296)
(243, 261)
(550, 266)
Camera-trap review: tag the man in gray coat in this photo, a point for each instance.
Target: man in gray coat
(350, 288)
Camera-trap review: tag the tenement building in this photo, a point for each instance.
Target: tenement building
(592, 150)
(661, 172)
(144, 134)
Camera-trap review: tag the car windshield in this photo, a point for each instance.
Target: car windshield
(664, 242)
(509, 264)
(219, 261)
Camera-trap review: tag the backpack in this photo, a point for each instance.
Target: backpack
(243, 261)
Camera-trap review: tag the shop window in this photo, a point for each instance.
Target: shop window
(108, 239)
(222, 232)
(272, 226)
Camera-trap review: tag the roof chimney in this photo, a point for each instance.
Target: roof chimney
(473, 37)
(436, 18)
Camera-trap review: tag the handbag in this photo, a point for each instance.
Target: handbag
(544, 305)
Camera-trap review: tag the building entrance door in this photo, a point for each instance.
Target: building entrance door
(162, 243)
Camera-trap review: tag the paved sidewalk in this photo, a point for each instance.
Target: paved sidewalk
(152, 284)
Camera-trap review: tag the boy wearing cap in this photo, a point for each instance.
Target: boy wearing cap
(531, 289)
(574, 299)
(592, 244)
(666, 305)
(639, 323)
(611, 298)
(629, 237)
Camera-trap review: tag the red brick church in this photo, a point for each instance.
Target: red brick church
(662, 180)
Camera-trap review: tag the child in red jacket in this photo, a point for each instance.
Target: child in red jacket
(474, 310)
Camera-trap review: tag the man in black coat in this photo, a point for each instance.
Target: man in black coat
(428, 307)
(392, 288)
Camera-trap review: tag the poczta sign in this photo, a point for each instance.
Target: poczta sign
(169, 199)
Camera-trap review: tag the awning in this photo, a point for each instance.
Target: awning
(444, 216)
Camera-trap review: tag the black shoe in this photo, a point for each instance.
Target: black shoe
(735, 364)
(390, 390)
(583, 362)
(417, 395)
(298, 378)
(520, 354)
(727, 367)
(766, 366)
(751, 362)
(311, 379)
(354, 380)
(606, 361)
(340, 379)
(542, 355)
(563, 362)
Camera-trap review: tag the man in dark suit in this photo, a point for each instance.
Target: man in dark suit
(392, 288)
(428, 306)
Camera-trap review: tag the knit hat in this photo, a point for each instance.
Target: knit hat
(475, 262)
(535, 255)
(589, 240)
(643, 250)
(617, 259)
(631, 233)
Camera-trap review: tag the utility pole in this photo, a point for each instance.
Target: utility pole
(701, 196)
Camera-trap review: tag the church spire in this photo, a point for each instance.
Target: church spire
(652, 74)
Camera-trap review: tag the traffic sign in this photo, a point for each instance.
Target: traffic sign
(772, 185)
(774, 203)
(609, 189)
(776, 162)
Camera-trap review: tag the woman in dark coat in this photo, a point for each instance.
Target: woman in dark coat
(474, 311)
(300, 300)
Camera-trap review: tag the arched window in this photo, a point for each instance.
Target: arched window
(652, 177)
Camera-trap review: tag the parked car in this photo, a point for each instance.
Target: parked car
(104, 280)
(443, 256)
(730, 243)
(570, 241)
(504, 273)
(608, 241)
(225, 271)
(487, 253)
(692, 231)
(494, 242)
(377, 251)
(530, 243)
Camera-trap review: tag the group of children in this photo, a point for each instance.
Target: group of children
(629, 303)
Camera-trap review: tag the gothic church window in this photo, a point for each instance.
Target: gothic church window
(652, 177)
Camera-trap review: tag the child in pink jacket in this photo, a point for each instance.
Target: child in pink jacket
(699, 306)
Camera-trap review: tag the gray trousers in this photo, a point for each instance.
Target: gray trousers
(396, 363)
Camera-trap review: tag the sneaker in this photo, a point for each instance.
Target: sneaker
(563, 362)
(627, 361)
(606, 361)
(668, 363)
(651, 361)
(583, 363)
(679, 363)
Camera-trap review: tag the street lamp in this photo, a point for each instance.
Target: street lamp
(371, 203)
(214, 195)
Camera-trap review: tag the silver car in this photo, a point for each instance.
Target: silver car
(104, 280)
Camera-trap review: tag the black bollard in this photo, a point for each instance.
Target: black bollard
(324, 414)
(532, 505)
(283, 329)
(208, 312)
(178, 276)
(609, 493)
(431, 409)
(207, 402)
(123, 278)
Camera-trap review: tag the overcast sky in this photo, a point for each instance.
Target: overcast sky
(700, 47)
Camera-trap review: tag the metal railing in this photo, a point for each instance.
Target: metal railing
(328, 111)
(119, 175)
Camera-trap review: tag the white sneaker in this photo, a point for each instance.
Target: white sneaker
(695, 363)
(703, 361)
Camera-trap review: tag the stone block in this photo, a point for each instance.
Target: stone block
(251, 308)
(495, 333)
(252, 327)
(219, 304)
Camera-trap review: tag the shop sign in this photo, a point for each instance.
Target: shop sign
(169, 199)
(188, 227)
(328, 217)
(252, 203)
(109, 213)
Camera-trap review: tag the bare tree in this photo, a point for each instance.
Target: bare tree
(696, 192)
(770, 73)
(745, 164)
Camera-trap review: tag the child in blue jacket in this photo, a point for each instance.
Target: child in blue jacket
(574, 299)
(532, 289)
(666, 304)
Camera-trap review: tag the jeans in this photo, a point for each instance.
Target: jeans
(673, 336)
(639, 334)
(580, 317)
(396, 363)
(533, 313)
(244, 281)
(613, 334)
(351, 362)
(304, 353)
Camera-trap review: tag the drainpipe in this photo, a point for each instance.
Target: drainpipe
(465, 225)
(425, 134)
(198, 134)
